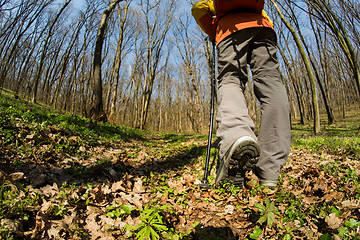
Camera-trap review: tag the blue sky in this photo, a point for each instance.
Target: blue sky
(77, 3)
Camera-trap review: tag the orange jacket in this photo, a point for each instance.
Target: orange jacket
(219, 28)
(231, 23)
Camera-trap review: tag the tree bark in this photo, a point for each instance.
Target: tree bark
(338, 29)
(97, 110)
(156, 34)
(44, 50)
(308, 69)
(187, 52)
(14, 47)
(118, 60)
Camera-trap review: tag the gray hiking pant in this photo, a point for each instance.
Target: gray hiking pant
(256, 47)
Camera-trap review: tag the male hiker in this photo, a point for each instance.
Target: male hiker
(244, 35)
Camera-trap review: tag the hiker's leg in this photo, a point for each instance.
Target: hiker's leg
(233, 118)
(274, 133)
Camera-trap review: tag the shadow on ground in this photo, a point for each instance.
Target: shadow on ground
(39, 172)
(214, 233)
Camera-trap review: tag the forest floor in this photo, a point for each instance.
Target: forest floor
(66, 177)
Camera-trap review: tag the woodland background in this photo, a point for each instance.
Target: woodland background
(145, 63)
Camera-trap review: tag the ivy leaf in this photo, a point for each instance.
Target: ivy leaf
(170, 236)
(343, 231)
(127, 208)
(256, 233)
(110, 214)
(326, 237)
(352, 223)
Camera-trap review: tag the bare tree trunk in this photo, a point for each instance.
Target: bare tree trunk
(97, 110)
(65, 63)
(308, 69)
(135, 76)
(24, 67)
(187, 52)
(118, 60)
(53, 68)
(293, 78)
(44, 50)
(326, 100)
(17, 39)
(72, 82)
(156, 33)
(338, 29)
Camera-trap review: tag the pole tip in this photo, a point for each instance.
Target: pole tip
(204, 185)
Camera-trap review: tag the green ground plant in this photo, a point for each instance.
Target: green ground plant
(152, 224)
(350, 230)
(115, 211)
(256, 233)
(16, 206)
(268, 212)
(15, 201)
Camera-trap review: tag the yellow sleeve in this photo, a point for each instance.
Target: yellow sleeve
(203, 12)
(265, 15)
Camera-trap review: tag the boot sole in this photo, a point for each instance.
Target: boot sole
(244, 154)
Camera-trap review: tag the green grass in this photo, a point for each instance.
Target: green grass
(14, 111)
(26, 125)
(342, 137)
(342, 127)
(349, 146)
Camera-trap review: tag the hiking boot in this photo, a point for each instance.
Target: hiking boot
(241, 157)
(268, 183)
(264, 182)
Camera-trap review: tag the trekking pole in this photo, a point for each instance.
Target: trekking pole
(204, 184)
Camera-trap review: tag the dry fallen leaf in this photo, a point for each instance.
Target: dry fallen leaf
(93, 227)
(333, 195)
(117, 186)
(229, 209)
(13, 177)
(42, 222)
(106, 189)
(178, 185)
(50, 190)
(351, 204)
(333, 221)
(30, 136)
(16, 176)
(9, 224)
(106, 222)
(54, 231)
(138, 187)
(197, 182)
(189, 180)
(309, 200)
(74, 140)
